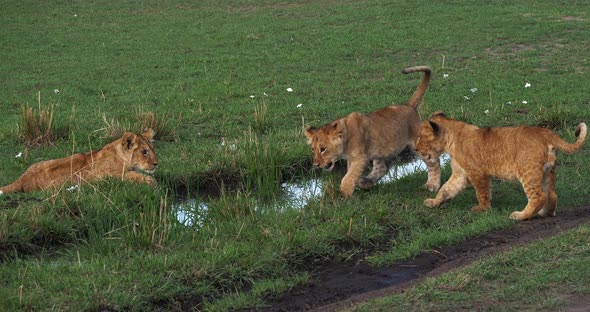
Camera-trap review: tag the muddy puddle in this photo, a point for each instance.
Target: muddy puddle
(294, 195)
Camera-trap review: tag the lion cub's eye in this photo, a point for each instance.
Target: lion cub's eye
(145, 152)
(322, 149)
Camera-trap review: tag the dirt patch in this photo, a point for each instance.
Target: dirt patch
(336, 286)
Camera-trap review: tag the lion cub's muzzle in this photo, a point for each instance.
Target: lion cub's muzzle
(327, 166)
(151, 170)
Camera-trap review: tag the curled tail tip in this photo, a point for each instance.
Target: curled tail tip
(581, 130)
(414, 69)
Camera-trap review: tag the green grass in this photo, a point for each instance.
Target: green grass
(195, 66)
(543, 276)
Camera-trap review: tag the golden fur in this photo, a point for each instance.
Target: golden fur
(129, 158)
(528, 154)
(375, 136)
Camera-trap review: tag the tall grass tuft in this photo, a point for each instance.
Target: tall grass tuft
(164, 132)
(151, 227)
(112, 129)
(36, 126)
(263, 158)
(142, 120)
(260, 122)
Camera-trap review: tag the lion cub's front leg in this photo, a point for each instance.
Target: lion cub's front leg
(139, 177)
(433, 182)
(352, 177)
(456, 183)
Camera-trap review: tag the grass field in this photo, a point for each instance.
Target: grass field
(230, 85)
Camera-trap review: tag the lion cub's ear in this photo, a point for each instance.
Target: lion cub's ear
(310, 131)
(149, 134)
(435, 128)
(438, 114)
(129, 140)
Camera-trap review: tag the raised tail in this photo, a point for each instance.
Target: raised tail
(571, 148)
(419, 93)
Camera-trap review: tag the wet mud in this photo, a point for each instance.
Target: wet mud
(336, 286)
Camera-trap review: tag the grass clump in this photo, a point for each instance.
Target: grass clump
(36, 126)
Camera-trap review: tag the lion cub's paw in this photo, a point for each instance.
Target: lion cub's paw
(429, 202)
(432, 187)
(150, 180)
(517, 215)
(366, 184)
(345, 193)
(479, 208)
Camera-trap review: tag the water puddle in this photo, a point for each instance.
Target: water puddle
(294, 195)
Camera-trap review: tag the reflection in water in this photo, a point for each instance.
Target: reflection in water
(296, 195)
(403, 170)
(190, 212)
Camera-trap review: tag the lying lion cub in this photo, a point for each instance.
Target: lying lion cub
(376, 136)
(478, 154)
(123, 158)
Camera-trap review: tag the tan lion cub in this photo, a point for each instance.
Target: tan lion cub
(376, 136)
(526, 153)
(128, 158)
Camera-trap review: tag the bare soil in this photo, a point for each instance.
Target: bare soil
(338, 285)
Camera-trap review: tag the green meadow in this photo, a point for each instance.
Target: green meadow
(229, 86)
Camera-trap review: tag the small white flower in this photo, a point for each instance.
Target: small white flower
(222, 141)
(251, 96)
(1, 192)
(473, 90)
(264, 93)
(527, 85)
(524, 102)
(487, 111)
(75, 15)
(56, 91)
(509, 103)
(300, 105)
(19, 155)
(289, 90)
(73, 188)
(466, 97)
(445, 75)
(233, 147)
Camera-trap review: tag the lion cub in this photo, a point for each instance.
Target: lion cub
(376, 136)
(528, 154)
(129, 158)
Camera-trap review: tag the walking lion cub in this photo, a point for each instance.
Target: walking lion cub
(375, 136)
(130, 158)
(526, 153)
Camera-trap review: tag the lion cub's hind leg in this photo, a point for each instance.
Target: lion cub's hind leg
(549, 186)
(378, 171)
(532, 182)
(483, 190)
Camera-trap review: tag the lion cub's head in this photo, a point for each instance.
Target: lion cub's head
(138, 151)
(327, 143)
(430, 143)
